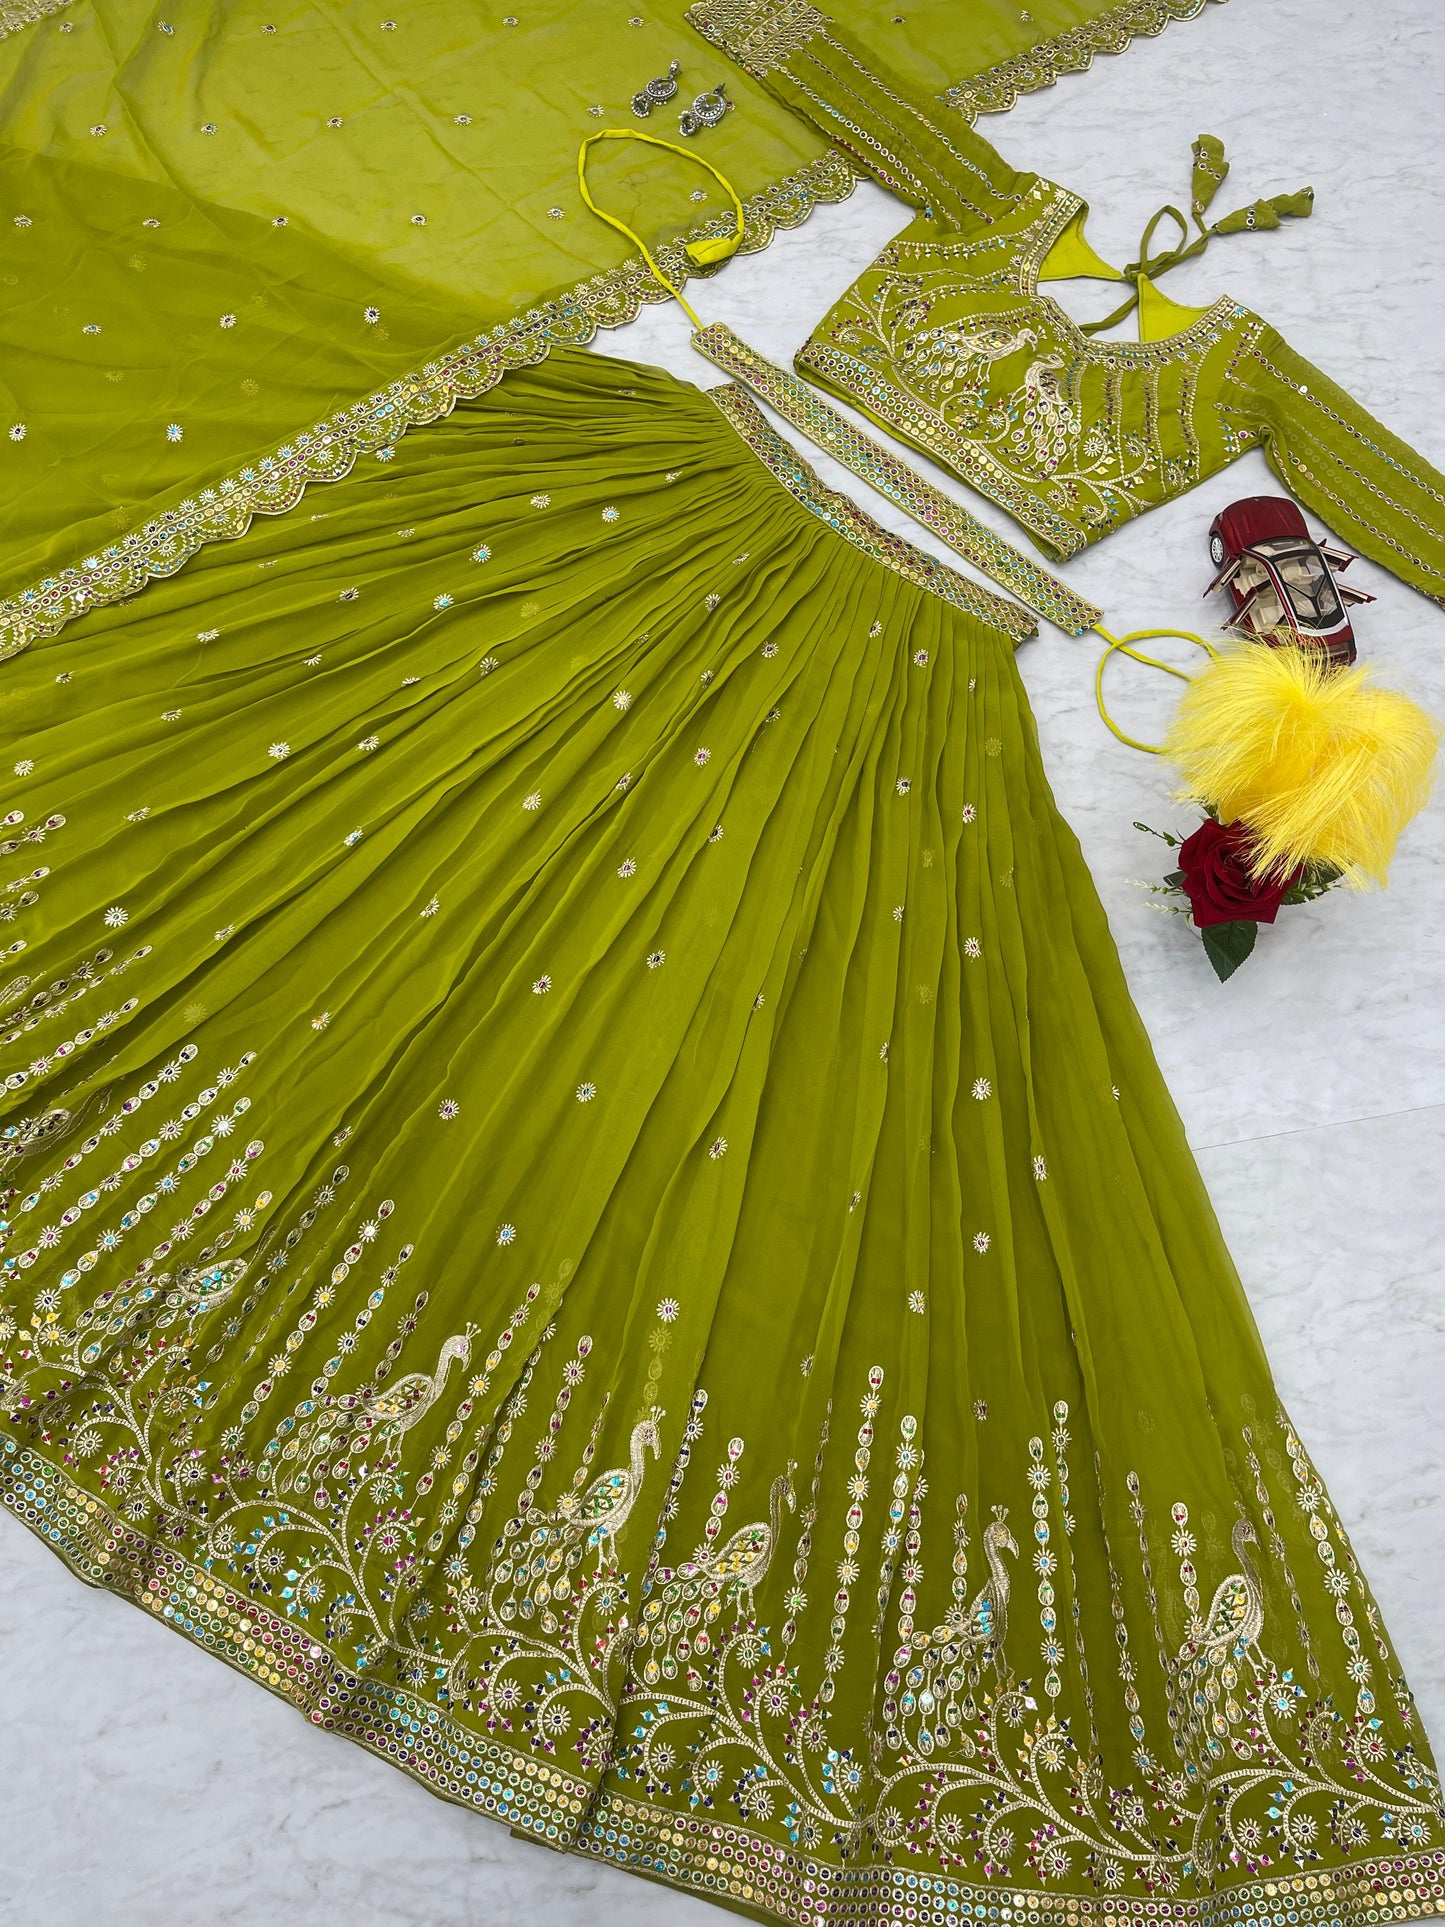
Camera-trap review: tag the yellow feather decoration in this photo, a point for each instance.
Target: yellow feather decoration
(1322, 764)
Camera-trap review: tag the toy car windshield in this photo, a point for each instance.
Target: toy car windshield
(1300, 571)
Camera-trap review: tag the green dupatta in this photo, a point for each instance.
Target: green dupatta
(213, 239)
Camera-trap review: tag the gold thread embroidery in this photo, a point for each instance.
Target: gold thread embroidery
(851, 522)
(887, 403)
(972, 539)
(994, 388)
(18, 14)
(327, 452)
(532, 1793)
(761, 35)
(538, 1639)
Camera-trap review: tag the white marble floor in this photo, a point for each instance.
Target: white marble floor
(139, 1780)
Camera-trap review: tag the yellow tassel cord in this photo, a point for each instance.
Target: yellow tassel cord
(1324, 766)
(1124, 645)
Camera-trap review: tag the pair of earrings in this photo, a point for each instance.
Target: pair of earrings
(706, 110)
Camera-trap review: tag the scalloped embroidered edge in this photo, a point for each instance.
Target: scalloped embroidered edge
(275, 483)
(16, 15)
(998, 88)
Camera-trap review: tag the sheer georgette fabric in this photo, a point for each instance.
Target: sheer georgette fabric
(222, 229)
(949, 341)
(586, 1202)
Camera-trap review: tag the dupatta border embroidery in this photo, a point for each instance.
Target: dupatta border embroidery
(998, 88)
(275, 483)
(762, 35)
(18, 14)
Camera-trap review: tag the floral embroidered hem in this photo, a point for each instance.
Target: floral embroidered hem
(584, 1199)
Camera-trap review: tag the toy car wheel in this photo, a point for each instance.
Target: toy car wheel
(1216, 549)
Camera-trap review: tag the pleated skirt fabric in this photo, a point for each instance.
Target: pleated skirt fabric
(585, 1200)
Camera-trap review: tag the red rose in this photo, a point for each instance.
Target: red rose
(1217, 880)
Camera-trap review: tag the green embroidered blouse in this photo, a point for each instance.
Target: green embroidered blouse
(949, 342)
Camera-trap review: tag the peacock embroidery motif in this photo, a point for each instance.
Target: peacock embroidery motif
(687, 1680)
(677, 1622)
(391, 1412)
(983, 1626)
(602, 1510)
(741, 1564)
(1231, 1628)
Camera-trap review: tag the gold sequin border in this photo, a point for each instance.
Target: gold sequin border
(18, 14)
(698, 1853)
(526, 1792)
(998, 88)
(844, 516)
(275, 483)
(978, 544)
(762, 35)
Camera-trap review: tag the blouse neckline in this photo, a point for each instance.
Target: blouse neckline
(1200, 334)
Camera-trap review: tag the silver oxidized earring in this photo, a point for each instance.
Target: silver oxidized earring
(657, 92)
(706, 111)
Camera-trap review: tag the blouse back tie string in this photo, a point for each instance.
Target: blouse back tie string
(1124, 646)
(1210, 169)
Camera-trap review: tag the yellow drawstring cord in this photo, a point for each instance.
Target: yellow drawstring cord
(1124, 645)
(705, 253)
(714, 248)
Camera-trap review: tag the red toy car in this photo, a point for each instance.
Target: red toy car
(1282, 583)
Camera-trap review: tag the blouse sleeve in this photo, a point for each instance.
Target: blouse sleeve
(927, 156)
(1373, 490)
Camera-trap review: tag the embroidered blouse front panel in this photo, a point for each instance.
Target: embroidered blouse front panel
(948, 342)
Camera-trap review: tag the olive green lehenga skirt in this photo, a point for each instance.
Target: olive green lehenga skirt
(586, 1202)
